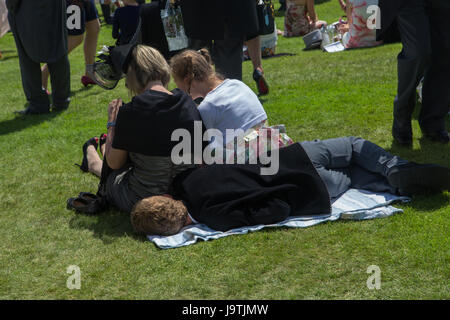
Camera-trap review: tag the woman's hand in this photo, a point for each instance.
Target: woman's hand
(343, 5)
(113, 109)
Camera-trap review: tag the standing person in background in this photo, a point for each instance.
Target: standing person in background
(90, 41)
(266, 20)
(413, 19)
(436, 86)
(254, 51)
(125, 22)
(300, 18)
(79, 13)
(221, 26)
(106, 10)
(40, 32)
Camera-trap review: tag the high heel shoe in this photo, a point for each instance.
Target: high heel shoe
(85, 80)
(84, 164)
(261, 83)
(103, 137)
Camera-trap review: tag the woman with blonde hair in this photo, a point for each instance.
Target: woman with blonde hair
(138, 144)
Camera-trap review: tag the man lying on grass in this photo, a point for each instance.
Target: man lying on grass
(311, 175)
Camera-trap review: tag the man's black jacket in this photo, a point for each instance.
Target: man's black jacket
(229, 196)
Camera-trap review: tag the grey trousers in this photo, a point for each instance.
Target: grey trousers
(351, 162)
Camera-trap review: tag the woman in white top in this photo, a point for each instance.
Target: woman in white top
(225, 103)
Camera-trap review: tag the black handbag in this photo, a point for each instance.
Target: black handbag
(266, 16)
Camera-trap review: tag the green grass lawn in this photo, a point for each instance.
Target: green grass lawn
(316, 95)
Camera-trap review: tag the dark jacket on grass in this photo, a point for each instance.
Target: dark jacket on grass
(230, 196)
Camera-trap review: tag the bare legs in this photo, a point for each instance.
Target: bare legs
(90, 44)
(94, 161)
(254, 51)
(90, 49)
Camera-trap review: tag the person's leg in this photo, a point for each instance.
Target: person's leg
(106, 10)
(94, 162)
(332, 166)
(254, 51)
(31, 79)
(227, 56)
(60, 79)
(373, 168)
(351, 162)
(91, 39)
(414, 30)
(436, 92)
(72, 43)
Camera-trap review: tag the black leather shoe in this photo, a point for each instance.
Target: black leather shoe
(402, 139)
(412, 178)
(402, 133)
(30, 110)
(438, 136)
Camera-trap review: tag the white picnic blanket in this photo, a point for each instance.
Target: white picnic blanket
(355, 204)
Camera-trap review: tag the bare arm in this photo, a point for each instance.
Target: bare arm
(343, 5)
(115, 158)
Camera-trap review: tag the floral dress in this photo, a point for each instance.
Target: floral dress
(296, 22)
(359, 34)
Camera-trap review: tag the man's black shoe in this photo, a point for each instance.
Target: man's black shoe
(404, 140)
(412, 178)
(438, 136)
(30, 110)
(403, 136)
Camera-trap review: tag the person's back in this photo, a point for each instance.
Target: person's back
(125, 22)
(231, 105)
(148, 138)
(227, 104)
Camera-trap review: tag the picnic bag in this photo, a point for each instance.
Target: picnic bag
(172, 20)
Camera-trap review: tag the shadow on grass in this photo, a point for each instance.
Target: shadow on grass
(9, 57)
(106, 226)
(433, 152)
(73, 93)
(21, 122)
(430, 202)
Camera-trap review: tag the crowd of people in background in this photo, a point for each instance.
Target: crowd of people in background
(203, 53)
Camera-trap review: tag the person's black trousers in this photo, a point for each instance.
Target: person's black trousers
(413, 24)
(32, 80)
(436, 87)
(226, 54)
(106, 10)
